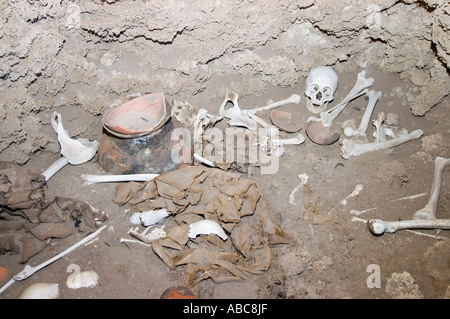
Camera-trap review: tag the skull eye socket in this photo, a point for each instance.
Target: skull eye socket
(327, 91)
(315, 88)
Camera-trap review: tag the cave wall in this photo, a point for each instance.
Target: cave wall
(86, 54)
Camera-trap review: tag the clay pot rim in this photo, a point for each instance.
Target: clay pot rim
(137, 133)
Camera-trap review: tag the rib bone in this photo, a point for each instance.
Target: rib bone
(350, 148)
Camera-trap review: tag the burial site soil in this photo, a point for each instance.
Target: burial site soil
(334, 255)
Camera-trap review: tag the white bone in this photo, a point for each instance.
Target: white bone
(378, 226)
(362, 83)
(73, 151)
(320, 86)
(92, 178)
(364, 125)
(82, 279)
(203, 160)
(350, 148)
(303, 181)
(29, 270)
(40, 290)
(429, 211)
(294, 98)
(205, 227)
(153, 217)
(424, 218)
(203, 122)
(235, 114)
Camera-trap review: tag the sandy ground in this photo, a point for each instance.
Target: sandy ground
(334, 258)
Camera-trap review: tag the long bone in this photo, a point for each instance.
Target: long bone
(294, 98)
(319, 129)
(364, 125)
(350, 148)
(73, 151)
(239, 117)
(362, 83)
(424, 218)
(92, 178)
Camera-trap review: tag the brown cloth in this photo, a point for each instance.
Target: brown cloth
(193, 193)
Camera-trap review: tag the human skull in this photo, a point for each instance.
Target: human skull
(321, 84)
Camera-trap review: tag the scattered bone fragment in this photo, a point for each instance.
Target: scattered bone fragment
(82, 279)
(40, 291)
(206, 227)
(424, 218)
(303, 181)
(73, 151)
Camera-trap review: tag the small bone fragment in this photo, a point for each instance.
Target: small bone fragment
(153, 217)
(364, 125)
(40, 290)
(83, 279)
(303, 181)
(73, 151)
(203, 160)
(205, 227)
(92, 179)
(355, 192)
(350, 148)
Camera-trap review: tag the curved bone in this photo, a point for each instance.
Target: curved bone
(92, 179)
(378, 226)
(350, 148)
(235, 114)
(429, 211)
(205, 227)
(74, 151)
(364, 125)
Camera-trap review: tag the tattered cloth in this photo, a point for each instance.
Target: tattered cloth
(194, 193)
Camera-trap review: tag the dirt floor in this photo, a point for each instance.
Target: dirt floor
(334, 257)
